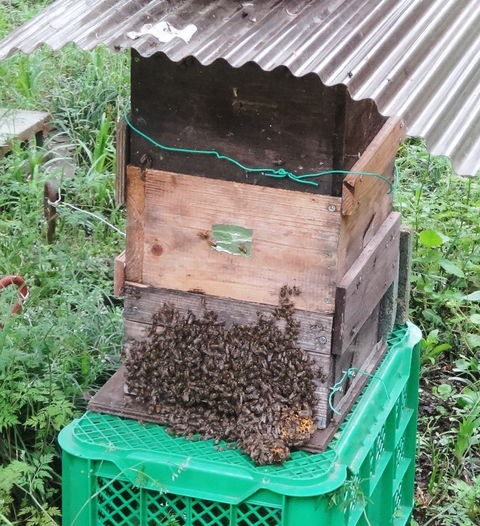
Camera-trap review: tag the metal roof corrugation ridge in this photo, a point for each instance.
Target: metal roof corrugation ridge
(419, 59)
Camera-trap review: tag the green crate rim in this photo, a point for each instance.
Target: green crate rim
(128, 443)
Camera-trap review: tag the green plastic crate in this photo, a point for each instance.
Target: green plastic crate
(121, 472)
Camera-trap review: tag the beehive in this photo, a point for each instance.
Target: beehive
(338, 242)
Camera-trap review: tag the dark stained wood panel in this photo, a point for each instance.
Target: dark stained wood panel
(141, 302)
(362, 124)
(358, 351)
(365, 283)
(322, 437)
(263, 119)
(404, 276)
(121, 163)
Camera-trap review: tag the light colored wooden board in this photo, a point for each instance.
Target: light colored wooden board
(365, 283)
(135, 225)
(376, 159)
(295, 237)
(141, 302)
(365, 202)
(119, 274)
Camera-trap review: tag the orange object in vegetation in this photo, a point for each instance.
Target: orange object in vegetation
(22, 291)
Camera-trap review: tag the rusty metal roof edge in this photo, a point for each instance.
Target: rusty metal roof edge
(417, 60)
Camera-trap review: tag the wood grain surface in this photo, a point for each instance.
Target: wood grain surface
(294, 242)
(365, 283)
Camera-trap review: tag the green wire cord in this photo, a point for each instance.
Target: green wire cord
(279, 173)
(351, 373)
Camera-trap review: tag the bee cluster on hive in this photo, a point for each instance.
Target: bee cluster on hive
(251, 384)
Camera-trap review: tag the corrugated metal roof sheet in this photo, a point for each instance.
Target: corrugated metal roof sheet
(419, 59)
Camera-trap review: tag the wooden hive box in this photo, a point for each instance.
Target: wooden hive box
(338, 242)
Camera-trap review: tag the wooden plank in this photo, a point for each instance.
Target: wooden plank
(358, 352)
(20, 125)
(141, 302)
(404, 272)
(261, 118)
(360, 379)
(119, 274)
(362, 124)
(322, 437)
(366, 340)
(365, 202)
(366, 282)
(136, 331)
(294, 241)
(110, 398)
(324, 366)
(376, 158)
(133, 332)
(338, 143)
(121, 163)
(135, 225)
(388, 309)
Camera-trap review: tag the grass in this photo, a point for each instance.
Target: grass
(68, 339)
(444, 209)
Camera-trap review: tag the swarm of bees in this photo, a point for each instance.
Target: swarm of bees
(250, 384)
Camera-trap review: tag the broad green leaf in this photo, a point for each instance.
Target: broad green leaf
(464, 434)
(474, 296)
(469, 398)
(442, 347)
(462, 364)
(430, 239)
(444, 391)
(451, 268)
(473, 340)
(475, 319)
(432, 316)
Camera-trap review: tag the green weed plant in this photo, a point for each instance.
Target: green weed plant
(444, 211)
(67, 340)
